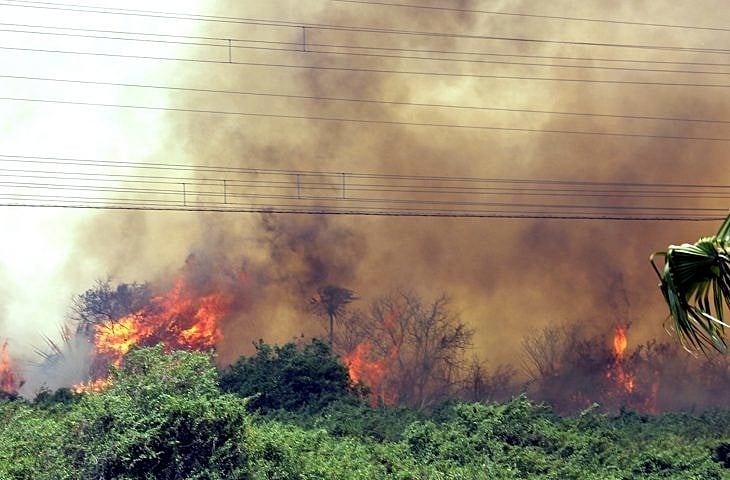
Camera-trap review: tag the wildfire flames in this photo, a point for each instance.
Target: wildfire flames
(9, 380)
(365, 366)
(187, 317)
(373, 373)
(181, 319)
(620, 342)
(618, 372)
(640, 397)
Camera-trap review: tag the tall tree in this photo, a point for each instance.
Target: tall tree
(332, 300)
(695, 282)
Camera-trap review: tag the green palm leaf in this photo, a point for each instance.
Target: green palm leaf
(695, 282)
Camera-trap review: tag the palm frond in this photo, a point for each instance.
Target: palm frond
(695, 283)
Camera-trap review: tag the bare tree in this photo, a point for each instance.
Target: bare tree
(421, 346)
(544, 351)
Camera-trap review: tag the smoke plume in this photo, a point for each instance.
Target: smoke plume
(509, 277)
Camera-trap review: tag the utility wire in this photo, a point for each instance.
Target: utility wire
(533, 15)
(347, 28)
(369, 121)
(296, 46)
(385, 71)
(312, 48)
(354, 183)
(204, 169)
(378, 213)
(214, 18)
(185, 186)
(359, 100)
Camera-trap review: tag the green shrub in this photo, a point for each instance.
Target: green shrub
(290, 378)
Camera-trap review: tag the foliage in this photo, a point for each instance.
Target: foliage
(32, 443)
(289, 377)
(695, 283)
(59, 399)
(164, 416)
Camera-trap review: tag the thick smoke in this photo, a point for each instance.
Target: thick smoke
(509, 277)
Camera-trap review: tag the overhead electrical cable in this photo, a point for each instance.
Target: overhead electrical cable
(46, 182)
(359, 100)
(311, 48)
(349, 28)
(387, 71)
(213, 18)
(200, 169)
(534, 15)
(296, 46)
(294, 210)
(354, 183)
(370, 121)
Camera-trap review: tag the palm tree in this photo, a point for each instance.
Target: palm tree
(332, 300)
(695, 283)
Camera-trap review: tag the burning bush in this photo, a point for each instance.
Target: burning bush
(10, 382)
(405, 350)
(571, 370)
(185, 317)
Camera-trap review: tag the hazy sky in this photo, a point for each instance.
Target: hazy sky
(507, 277)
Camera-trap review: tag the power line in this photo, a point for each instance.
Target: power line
(175, 187)
(203, 169)
(297, 47)
(369, 121)
(533, 15)
(137, 204)
(322, 182)
(359, 100)
(374, 213)
(386, 71)
(347, 28)
(311, 48)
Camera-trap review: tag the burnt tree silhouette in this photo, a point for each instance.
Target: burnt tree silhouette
(331, 300)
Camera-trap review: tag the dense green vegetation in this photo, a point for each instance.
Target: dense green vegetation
(165, 416)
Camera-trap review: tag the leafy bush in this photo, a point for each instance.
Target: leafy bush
(162, 417)
(290, 378)
(32, 444)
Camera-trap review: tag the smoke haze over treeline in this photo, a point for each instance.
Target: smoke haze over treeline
(507, 277)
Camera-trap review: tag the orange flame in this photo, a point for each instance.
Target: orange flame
(620, 341)
(373, 373)
(184, 318)
(617, 370)
(364, 366)
(92, 386)
(9, 380)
